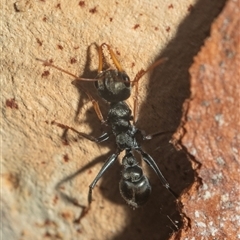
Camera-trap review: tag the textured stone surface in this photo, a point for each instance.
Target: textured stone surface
(34, 159)
(212, 132)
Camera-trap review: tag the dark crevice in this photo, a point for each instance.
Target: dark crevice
(169, 87)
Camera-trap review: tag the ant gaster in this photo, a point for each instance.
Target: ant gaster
(114, 86)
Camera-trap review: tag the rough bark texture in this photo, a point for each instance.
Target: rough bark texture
(212, 127)
(35, 161)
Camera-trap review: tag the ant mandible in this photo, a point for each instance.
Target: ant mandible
(114, 86)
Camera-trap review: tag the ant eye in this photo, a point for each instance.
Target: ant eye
(126, 79)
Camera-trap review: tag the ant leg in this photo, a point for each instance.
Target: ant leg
(174, 224)
(50, 64)
(94, 102)
(149, 160)
(102, 138)
(135, 104)
(113, 56)
(151, 136)
(135, 84)
(105, 166)
(96, 107)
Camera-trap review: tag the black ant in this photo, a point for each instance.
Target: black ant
(114, 86)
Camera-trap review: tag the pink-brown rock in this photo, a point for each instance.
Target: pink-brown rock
(212, 137)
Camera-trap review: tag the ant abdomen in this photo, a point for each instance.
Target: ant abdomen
(134, 186)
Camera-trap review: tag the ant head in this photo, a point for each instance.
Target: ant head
(113, 85)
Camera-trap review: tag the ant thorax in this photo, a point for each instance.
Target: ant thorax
(119, 117)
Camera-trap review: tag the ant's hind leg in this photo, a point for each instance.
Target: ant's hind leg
(150, 161)
(105, 166)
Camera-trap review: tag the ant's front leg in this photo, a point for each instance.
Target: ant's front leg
(94, 102)
(105, 136)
